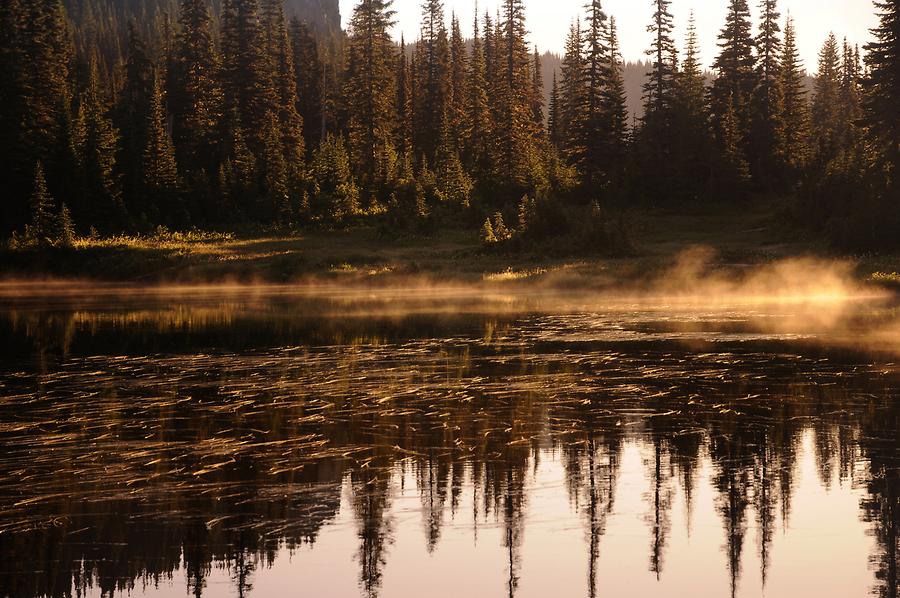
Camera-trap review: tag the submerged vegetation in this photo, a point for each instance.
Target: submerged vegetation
(174, 441)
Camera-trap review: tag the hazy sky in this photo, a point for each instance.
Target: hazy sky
(548, 21)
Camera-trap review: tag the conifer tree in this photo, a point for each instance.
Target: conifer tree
(369, 87)
(42, 231)
(571, 92)
(491, 62)
(65, 228)
(883, 84)
(238, 173)
(736, 75)
(850, 101)
(276, 176)
(592, 127)
(659, 89)
(404, 112)
(615, 107)
(656, 137)
(691, 131)
(487, 233)
(280, 57)
(433, 78)
(459, 66)
(553, 124)
(452, 183)
(767, 152)
(537, 91)
(159, 170)
(501, 232)
(35, 92)
(133, 111)
(826, 109)
(94, 145)
(195, 97)
(334, 181)
(734, 173)
(478, 112)
(308, 72)
(246, 69)
(515, 130)
(795, 114)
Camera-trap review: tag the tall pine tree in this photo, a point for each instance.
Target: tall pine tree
(195, 97)
(369, 89)
(160, 198)
(735, 82)
(767, 151)
(795, 107)
(883, 84)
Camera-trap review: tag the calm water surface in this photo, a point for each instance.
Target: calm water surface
(269, 443)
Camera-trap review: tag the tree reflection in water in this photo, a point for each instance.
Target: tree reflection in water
(137, 443)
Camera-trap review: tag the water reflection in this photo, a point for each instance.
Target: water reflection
(257, 446)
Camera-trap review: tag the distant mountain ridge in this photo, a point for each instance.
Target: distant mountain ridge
(323, 15)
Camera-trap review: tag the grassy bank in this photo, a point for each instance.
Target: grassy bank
(738, 236)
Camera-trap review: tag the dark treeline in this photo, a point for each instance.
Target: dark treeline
(193, 113)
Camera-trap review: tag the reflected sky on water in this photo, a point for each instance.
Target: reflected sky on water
(372, 444)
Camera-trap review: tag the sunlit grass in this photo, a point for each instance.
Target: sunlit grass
(194, 241)
(512, 275)
(885, 278)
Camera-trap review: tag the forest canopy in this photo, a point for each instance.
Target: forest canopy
(121, 117)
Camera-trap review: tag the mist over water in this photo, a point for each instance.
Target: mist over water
(705, 434)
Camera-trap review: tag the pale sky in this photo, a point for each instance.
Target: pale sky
(548, 21)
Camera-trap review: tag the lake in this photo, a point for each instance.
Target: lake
(273, 441)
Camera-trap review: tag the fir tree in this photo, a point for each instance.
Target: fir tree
(195, 97)
(691, 131)
(501, 233)
(767, 151)
(571, 92)
(239, 170)
(134, 105)
(615, 107)
(553, 124)
(736, 75)
(488, 237)
(94, 145)
(405, 112)
(34, 57)
(65, 228)
(514, 130)
(591, 129)
(453, 184)
(459, 66)
(246, 69)
(276, 178)
(659, 89)
(478, 112)
(43, 229)
(289, 121)
(735, 171)
(433, 78)
(826, 109)
(333, 178)
(883, 83)
(369, 87)
(850, 101)
(795, 112)
(537, 90)
(308, 72)
(160, 173)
